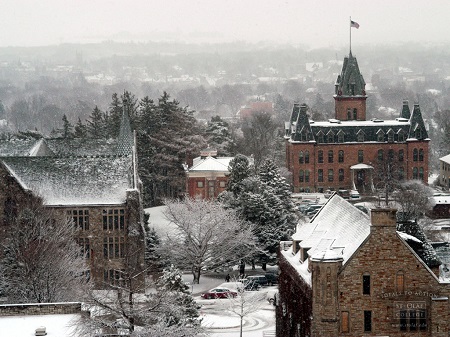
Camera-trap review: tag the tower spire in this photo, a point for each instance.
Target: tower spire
(125, 141)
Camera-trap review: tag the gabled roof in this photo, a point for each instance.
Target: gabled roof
(73, 180)
(211, 164)
(445, 159)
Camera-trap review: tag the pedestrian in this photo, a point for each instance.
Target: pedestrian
(227, 278)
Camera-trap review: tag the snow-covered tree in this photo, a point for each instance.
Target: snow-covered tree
(165, 309)
(29, 271)
(207, 236)
(219, 136)
(264, 200)
(414, 199)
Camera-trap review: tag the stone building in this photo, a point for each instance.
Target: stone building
(347, 273)
(350, 152)
(92, 181)
(444, 172)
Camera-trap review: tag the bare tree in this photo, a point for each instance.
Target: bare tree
(41, 260)
(207, 236)
(246, 303)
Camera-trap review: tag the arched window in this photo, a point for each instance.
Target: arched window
(341, 156)
(301, 176)
(330, 156)
(355, 114)
(420, 154)
(390, 155)
(415, 173)
(360, 156)
(421, 173)
(415, 154)
(380, 155)
(401, 155)
(306, 157)
(341, 174)
(320, 175)
(307, 176)
(330, 175)
(320, 156)
(300, 157)
(349, 114)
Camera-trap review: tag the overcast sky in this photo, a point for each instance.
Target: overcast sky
(312, 22)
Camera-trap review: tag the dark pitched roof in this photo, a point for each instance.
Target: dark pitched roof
(417, 129)
(350, 82)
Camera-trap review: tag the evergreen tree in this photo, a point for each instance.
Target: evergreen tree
(96, 124)
(219, 136)
(80, 129)
(240, 169)
(114, 116)
(184, 310)
(67, 127)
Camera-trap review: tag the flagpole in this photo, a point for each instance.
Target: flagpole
(350, 26)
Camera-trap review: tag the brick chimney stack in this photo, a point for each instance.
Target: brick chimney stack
(383, 220)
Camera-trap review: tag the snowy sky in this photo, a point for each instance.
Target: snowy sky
(314, 23)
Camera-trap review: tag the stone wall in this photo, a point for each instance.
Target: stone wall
(40, 309)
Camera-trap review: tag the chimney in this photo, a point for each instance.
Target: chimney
(384, 219)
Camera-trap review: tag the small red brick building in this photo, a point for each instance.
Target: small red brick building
(350, 152)
(208, 175)
(352, 274)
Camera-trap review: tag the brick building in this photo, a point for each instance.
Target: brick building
(93, 181)
(352, 274)
(350, 152)
(208, 175)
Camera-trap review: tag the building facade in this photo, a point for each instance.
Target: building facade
(94, 182)
(351, 274)
(444, 172)
(350, 152)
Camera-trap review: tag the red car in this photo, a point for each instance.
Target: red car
(219, 293)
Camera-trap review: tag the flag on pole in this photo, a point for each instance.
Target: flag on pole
(354, 24)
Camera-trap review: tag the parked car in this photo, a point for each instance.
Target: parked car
(313, 208)
(272, 296)
(272, 278)
(238, 285)
(219, 293)
(260, 279)
(354, 195)
(250, 285)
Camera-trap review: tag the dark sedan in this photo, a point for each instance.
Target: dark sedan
(219, 293)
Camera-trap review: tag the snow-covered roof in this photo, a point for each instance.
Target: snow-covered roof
(397, 122)
(73, 180)
(445, 159)
(405, 236)
(335, 232)
(360, 166)
(16, 147)
(211, 164)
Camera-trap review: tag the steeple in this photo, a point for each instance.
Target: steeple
(406, 113)
(125, 141)
(350, 94)
(303, 132)
(417, 126)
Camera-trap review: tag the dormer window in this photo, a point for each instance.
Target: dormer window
(401, 135)
(390, 135)
(304, 136)
(341, 136)
(380, 136)
(360, 136)
(320, 137)
(330, 136)
(418, 133)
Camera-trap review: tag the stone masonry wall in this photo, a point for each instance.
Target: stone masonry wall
(40, 309)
